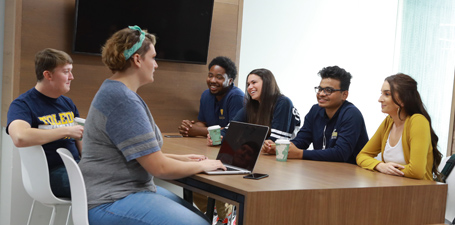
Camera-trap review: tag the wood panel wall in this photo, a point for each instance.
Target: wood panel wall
(32, 25)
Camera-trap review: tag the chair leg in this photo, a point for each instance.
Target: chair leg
(69, 214)
(31, 212)
(51, 222)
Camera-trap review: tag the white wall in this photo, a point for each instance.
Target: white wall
(2, 29)
(297, 38)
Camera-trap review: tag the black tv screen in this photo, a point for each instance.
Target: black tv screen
(182, 27)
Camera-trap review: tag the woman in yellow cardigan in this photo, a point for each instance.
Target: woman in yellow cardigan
(405, 138)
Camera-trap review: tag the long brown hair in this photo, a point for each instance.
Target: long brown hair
(406, 89)
(262, 113)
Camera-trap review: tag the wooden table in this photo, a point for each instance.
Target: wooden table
(313, 192)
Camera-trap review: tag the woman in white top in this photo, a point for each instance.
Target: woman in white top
(405, 138)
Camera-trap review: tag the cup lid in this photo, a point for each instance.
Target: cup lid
(214, 127)
(282, 141)
(79, 120)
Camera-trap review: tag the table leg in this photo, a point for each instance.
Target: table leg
(210, 207)
(188, 195)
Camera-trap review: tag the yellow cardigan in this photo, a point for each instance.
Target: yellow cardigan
(417, 148)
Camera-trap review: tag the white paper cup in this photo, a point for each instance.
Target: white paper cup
(282, 149)
(215, 134)
(79, 121)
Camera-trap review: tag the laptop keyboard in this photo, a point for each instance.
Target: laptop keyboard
(231, 169)
(228, 169)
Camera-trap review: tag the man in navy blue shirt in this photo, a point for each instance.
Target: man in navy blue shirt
(334, 126)
(219, 103)
(43, 116)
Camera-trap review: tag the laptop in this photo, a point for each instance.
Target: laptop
(241, 147)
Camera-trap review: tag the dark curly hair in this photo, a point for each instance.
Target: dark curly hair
(337, 73)
(227, 64)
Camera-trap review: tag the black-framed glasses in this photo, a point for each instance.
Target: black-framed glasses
(327, 90)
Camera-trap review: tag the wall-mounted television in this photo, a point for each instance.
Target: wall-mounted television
(182, 27)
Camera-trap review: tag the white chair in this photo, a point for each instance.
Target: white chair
(78, 191)
(450, 180)
(35, 176)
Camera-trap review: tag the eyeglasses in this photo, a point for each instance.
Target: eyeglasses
(327, 90)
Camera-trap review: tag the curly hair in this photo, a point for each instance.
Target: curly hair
(337, 73)
(112, 51)
(227, 64)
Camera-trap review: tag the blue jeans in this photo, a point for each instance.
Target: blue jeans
(60, 183)
(145, 208)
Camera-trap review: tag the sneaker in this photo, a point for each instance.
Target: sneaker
(220, 223)
(215, 217)
(229, 220)
(232, 217)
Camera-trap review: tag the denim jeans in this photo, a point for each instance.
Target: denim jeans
(60, 184)
(162, 207)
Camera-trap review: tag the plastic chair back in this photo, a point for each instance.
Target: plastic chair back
(450, 180)
(35, 176)
(78, 191)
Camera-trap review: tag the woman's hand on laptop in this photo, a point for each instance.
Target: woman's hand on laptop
(193, 157)
(187, 157)
(269, 147)
(211, 165)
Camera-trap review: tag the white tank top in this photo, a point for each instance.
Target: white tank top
(395, 153)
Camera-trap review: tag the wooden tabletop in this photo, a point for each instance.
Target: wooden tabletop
(296, 173)
(315, 192)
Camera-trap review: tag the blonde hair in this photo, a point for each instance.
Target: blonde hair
(112, 51)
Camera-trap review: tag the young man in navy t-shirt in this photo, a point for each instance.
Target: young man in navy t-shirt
(219, 103)
(43, 116)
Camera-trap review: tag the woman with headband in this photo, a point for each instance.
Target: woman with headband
(122, 144)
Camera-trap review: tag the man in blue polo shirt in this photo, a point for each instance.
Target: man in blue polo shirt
(334, 126)
(219, 103)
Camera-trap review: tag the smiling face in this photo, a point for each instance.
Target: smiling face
(60, 78)
(217, 80)
(254, 88)
(331, 102)
(387, 104)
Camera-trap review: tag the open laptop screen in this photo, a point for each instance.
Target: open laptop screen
(242, 144)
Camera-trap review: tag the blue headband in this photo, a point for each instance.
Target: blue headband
(129, 52)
